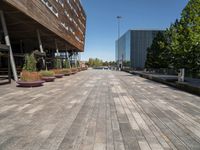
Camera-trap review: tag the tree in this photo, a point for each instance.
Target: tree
(190, 35)
(66, 64)
(171, 34)
(155, 53)
(95, 62)
(30, 63)
(180, 45)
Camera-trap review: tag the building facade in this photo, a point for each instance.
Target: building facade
(131, 48)
(51, 26)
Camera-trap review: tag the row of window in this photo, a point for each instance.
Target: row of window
(61, 2)
(72, 20)
(81, 23)
(50, 7)
(55, 12)
(68, 28)
(72, 31)
(74, 10)
(80, 10)
(78, 39)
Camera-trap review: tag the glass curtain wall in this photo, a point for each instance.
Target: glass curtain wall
(123, 50)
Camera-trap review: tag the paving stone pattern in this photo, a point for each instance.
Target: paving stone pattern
(99, 110)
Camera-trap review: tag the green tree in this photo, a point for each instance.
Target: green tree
(185, 41)
(66, 64)
(91, 62)
(171, 34)
(30, 63)
(57, 63)
(95, 62)
(180, 45)
(155, 53)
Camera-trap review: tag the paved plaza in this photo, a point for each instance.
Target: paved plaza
(99, 110)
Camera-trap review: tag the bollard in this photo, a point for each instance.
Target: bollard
(181, 75)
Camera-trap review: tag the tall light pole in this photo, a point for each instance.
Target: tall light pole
(118, 21)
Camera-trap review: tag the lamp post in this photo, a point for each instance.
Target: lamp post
(118, 21)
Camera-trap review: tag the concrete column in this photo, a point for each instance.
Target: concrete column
(41, 47)
(57, 51)
(68, 59)
(7, 39)
(40, 42)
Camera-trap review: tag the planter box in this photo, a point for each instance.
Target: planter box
(67, 74)
(48, 79)
(59, 75)
(74, 72)
(30, 83)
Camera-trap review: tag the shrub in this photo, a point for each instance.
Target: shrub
(58, 63)
(66, 71)
(74, 69)
(29, 76)
(78, 64)
(57, 71)
(66, 64)
(30, 63)
(46, 73)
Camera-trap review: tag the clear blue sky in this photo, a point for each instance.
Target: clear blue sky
(102, 23)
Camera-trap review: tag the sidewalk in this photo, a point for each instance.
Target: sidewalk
(190, 85)
(99, 110)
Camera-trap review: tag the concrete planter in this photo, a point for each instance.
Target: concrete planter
(59, 75)
(48, 79)
(67, 74)
(30, 83)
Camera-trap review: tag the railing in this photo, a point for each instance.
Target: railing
(164, 71)
(5, 49)
(188, 72)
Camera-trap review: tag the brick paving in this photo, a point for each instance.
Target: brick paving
(99, 110)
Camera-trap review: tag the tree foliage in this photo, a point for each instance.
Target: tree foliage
(57, 63)
(187, 43)
(179, 46)
(66, 64)
(30, 63)
(155, 57)
(96, 62)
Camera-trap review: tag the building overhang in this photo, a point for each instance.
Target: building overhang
(24, 27)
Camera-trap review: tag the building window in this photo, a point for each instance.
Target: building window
(61, 2)
(65, 26)
(50, 7)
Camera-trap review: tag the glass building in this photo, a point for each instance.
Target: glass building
(131, 48)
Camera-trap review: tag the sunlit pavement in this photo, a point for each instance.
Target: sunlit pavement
(99, 109)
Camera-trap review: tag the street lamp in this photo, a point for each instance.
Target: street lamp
(118, 21)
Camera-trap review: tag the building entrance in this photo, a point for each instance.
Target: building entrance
(5, 73)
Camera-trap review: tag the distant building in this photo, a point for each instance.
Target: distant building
(131, 48)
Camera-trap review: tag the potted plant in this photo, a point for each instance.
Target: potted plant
(47, 76)
(66, 71)
(74, 70)
(58, 71)
(78, 66)
(29, 77)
